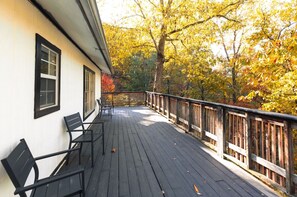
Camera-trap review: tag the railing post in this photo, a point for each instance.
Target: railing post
(159, 108)
(152, 100)
(164, 101)
(202, 121)
(155, 102)
(220, 123)
(289, 158)
(168, 107)
(176, 107)
(129, 100)
(248, 141)
(145, 99)
(190, 116)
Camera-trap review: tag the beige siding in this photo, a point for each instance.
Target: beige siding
(19, 22)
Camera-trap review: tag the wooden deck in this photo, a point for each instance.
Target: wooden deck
(153, 158)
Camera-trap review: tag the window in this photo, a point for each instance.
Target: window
(47, 77)
(89, 92)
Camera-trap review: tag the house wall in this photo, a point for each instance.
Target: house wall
(19, 22)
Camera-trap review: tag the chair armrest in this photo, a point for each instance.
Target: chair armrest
(49, 180)
(79, 130)
(97, 122)
(55, 154)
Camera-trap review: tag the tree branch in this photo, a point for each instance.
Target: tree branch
(168, 6)
(225, 17)
(263, 27)
(234, 42)
(231, 4)
(200, 22)
(240, 42)
(154, 40)
(140, 7)
(152, 3)
(209, 18)
(284, 28)
(150, 30)
(189, 25)
(171, 39)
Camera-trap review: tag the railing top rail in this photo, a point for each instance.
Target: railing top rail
(123, 92)
(243, 109)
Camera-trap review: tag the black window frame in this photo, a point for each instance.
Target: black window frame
(92, 111)
(38, 111)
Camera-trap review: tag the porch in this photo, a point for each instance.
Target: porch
(154, 158)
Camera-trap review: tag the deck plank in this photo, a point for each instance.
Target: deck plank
(153, 159)
(223, 173)
(176, 180)
(123, 174)
(102, 188)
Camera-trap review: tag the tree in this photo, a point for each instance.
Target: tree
(124, 44)
(107, 83)
(139, 75)
(272, 72)
(165, 20)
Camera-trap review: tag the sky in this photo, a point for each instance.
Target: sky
(112, 10)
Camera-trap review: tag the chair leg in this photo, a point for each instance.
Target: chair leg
(92, 153)
(80, 150)
(68, 154)
(83, 184)
(103, 151)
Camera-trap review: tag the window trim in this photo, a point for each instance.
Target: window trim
(92, 111)
(37, 111)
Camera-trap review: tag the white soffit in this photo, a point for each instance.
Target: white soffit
(81, 22)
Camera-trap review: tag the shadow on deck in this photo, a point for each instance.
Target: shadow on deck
(153, 158)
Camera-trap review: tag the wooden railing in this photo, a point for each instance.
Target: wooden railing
(124, 98)
(259, 141)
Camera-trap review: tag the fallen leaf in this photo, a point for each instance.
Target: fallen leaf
(196, 190)
(113, 150)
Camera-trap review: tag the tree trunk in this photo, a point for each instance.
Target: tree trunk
(159, 65)
(158, 73)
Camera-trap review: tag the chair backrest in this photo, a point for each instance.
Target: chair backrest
(100, 106)
(19, 164)
(103, 101)
(99, 102)
(73, 121)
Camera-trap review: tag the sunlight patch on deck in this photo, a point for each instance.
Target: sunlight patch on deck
(151, 119)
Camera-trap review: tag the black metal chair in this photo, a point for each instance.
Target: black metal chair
(105, 103)
(74, 124)
(19, 164)
(104, 108)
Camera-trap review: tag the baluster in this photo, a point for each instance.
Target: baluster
(220, 121)
(168, 107)
(289, 158)
(248, 142)
(202, 121)
(176, 120)
(190, 116)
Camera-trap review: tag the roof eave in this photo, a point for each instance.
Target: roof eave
(91, 16)
(90, 10)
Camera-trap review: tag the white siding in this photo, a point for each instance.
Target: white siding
(19, 22)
